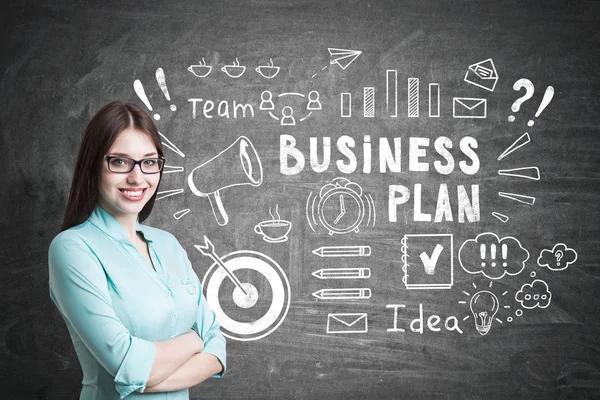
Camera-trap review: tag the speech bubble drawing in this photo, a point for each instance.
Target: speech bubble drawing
(534, 295)
(557, 259)
(493, 257)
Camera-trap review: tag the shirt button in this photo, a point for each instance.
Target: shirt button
(171, 337)
(168, 293)
(174, 316)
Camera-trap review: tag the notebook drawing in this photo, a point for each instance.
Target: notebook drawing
(427, 261)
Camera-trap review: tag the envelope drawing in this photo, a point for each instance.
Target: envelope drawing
(467, 107)
(482, 74)
(347, 323)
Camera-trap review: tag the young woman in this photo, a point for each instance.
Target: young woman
(132, 303)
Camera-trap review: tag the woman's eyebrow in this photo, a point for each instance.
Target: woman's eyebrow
(128, 156)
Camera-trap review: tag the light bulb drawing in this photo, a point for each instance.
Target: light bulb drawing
(484, 306)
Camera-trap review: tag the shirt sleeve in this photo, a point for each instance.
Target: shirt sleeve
(208, 327)
(79, 288)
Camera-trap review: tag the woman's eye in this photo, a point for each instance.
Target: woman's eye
(118, 161)
(149, 162)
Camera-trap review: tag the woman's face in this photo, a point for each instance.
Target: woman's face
(123, 194)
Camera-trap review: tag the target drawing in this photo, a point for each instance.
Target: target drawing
(248, 291)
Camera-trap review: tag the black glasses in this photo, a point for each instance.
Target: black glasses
(124, 165)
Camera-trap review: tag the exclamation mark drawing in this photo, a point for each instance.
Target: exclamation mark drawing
(482, 254)
(139, 90)
(504, 254)
(548, 95)
(162, 83)
(493, 254)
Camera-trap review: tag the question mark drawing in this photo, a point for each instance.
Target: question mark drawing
(559, 254)
(520, 84)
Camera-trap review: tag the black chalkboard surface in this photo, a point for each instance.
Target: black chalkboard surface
(408, 189)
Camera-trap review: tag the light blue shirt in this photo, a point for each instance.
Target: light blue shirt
(116, 305)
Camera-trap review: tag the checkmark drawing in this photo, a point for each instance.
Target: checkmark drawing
(430, 262)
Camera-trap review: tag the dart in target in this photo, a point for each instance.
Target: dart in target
(247, 290)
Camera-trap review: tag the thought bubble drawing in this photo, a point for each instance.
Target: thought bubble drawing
(534, 294)
(492, 257)
(557, 259)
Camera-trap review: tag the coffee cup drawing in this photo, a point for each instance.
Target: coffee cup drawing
(274, 230)
(234, 70)
(268, 71)
(200, 70)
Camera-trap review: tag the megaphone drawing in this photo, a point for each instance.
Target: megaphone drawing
(237, 165)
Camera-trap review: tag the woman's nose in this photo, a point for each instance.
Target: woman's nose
(136, 174)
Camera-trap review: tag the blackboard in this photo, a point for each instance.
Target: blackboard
(382, 71)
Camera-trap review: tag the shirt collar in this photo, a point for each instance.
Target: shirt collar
(104, 221)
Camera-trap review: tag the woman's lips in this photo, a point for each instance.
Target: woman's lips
(133, 195)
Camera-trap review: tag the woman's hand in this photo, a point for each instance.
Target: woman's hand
(196, 340)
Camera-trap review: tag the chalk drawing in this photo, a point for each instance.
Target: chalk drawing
(369, 102)
(234, 70)
(342, 57)
(517, 144)
(534, 295)
(287, 116)
(347, 323)
(395, 307)
(237, 165)
(266, 101)
(340, 208)
(169, 145)
(391, 92)
(200, 70)
(484, 306)
(493, 257)
(268, 71)
(274, 230)
(434, 100)
(343, 251)
(245, 295)
(413, 97)
(548, 95)
(526, 84)
(171, 169)
(313, 101)
(469, 107)
(427, 261)
(532, 173)
(503, 218)
(342, 273)
(557, 259)
(167, 193)
(482, 74)
(343, 294)
(162, 83)
(345, 105)
(520, 198)
(181, 213)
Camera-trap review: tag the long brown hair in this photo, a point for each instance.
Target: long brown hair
(99, 136)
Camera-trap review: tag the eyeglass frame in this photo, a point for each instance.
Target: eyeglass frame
(135, 162)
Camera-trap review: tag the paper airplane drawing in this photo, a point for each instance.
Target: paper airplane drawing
(343, 57)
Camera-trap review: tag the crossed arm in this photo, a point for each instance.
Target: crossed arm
(78, 287)
(179, 364)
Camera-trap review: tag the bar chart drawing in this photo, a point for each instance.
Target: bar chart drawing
(391, 94)
(434, 100)
(369, 102)
(413, 97)
(345, 105)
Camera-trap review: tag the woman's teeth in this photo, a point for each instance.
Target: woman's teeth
(133, 194)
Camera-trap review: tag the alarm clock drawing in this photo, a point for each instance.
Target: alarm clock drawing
(340, 207)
